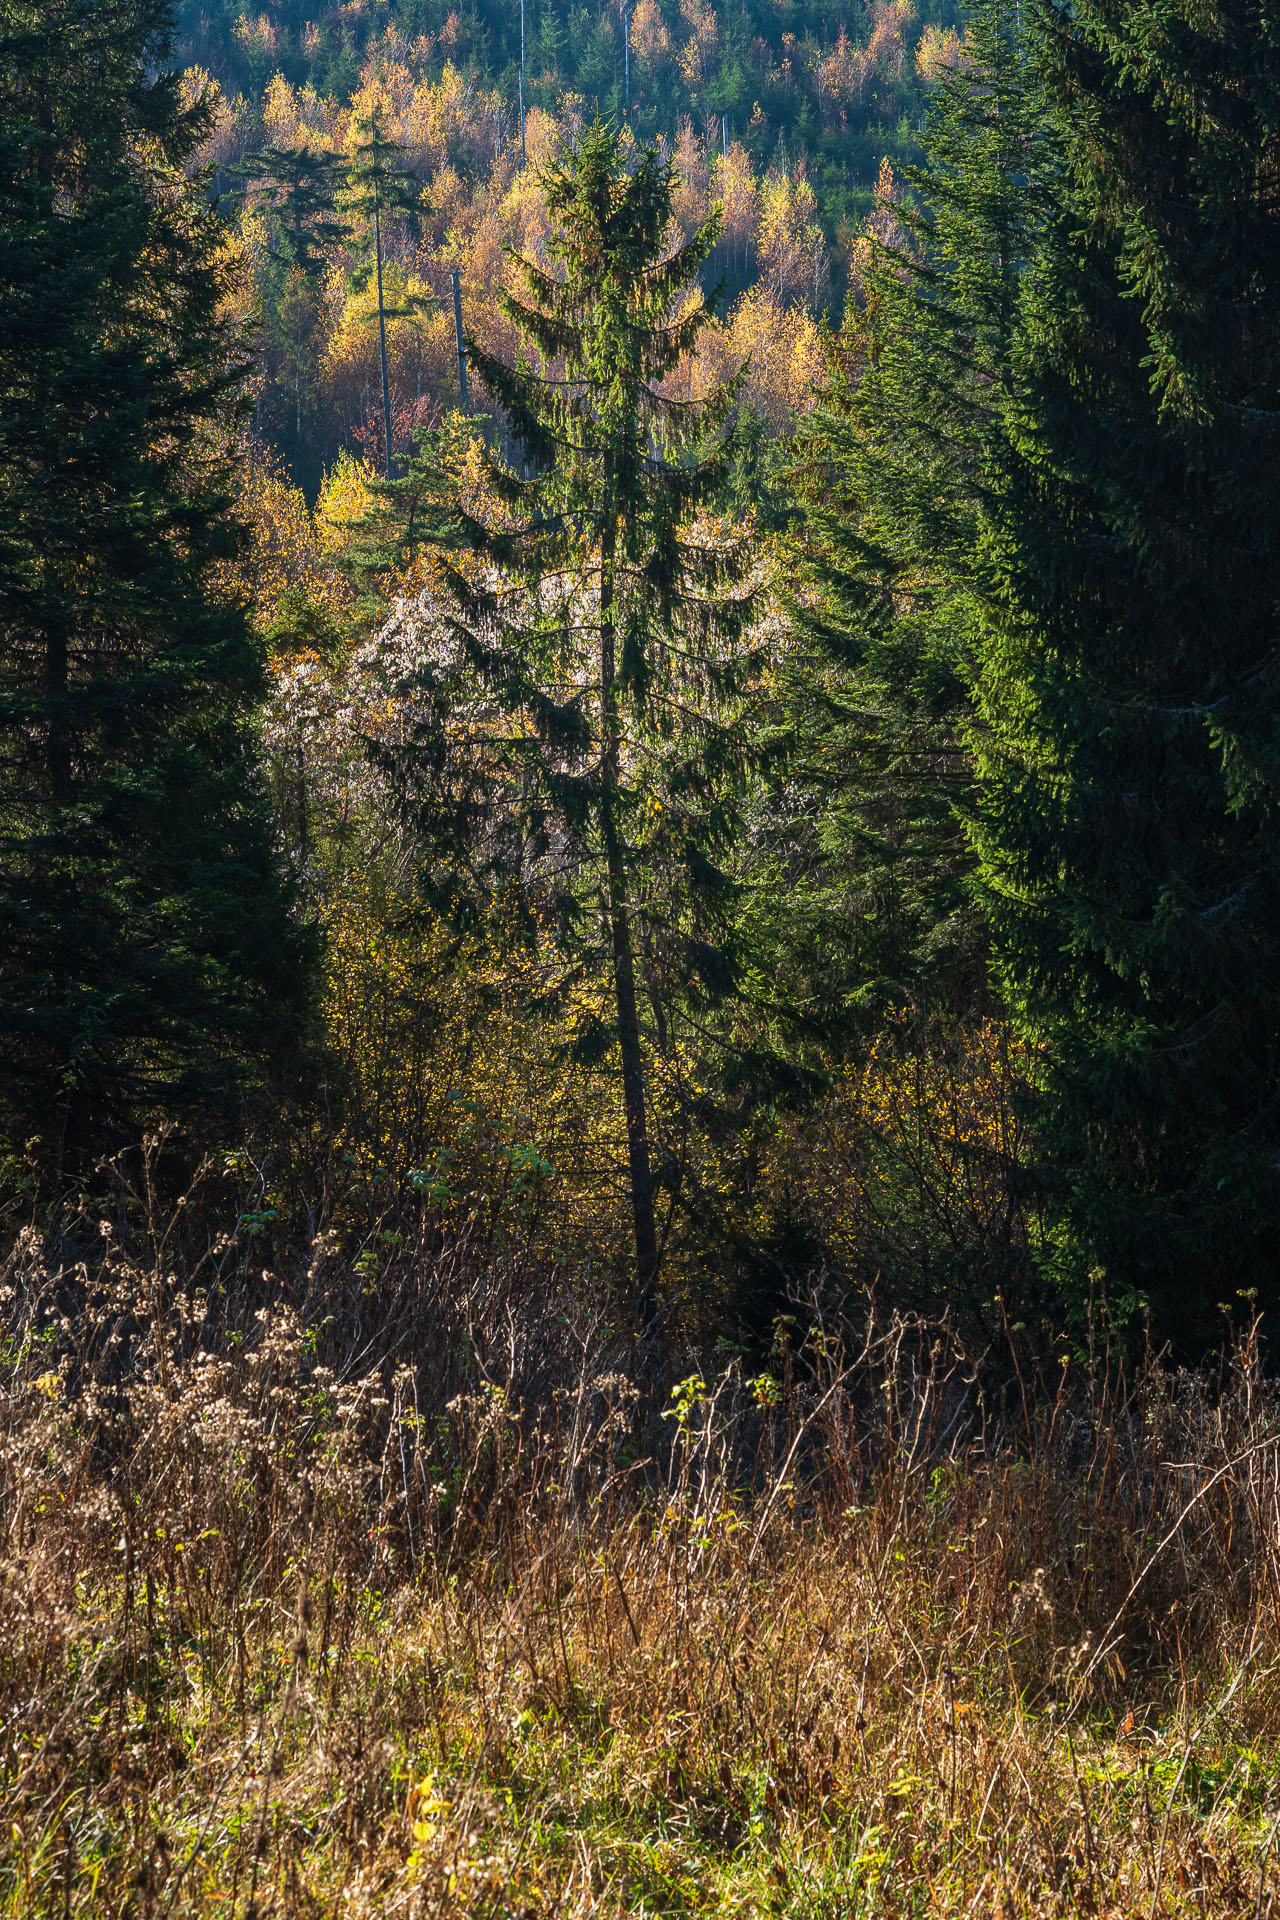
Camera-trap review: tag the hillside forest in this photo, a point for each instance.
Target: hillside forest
(639, 944)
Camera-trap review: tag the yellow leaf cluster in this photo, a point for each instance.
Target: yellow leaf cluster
(287, 552)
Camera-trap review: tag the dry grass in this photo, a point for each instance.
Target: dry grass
(333, 1591)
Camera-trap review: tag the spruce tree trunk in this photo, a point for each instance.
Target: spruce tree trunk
(624, 980)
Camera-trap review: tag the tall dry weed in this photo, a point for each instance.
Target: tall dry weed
(348, 1586)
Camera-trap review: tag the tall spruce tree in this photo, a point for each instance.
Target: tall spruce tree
(579, 773)
(298, 188)
(147, 959)
(1128, 686)
(378, 188)
(872, 916)
(894, 467)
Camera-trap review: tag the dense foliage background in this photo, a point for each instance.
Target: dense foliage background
(693, 687)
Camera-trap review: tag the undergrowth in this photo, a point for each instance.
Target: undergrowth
(382, 1587)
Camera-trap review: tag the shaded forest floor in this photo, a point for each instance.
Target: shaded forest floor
(334, 1593)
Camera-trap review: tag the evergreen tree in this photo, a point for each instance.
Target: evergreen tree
(147, 960)
(410, 514)
(378, 187)
(894, 467)
(598, 76)
(1128, 691)
(298, 187)
(864, 895)
(578, 776)
(550, 46)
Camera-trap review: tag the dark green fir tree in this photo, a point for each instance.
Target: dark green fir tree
(550, 46)
(297, 190)
(1128, 688)
(579, 775)
(379, 190)
(148, 963)
(894, 467)
(299, 187)
(871, 915)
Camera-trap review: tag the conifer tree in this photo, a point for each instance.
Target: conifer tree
(299, 188)
(410, 515)
(1128, 689)
(377, 188)
(894, 467)
(592, 656)
(301, 185)
(551, 44)
(147, 959)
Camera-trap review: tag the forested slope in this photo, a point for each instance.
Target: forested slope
(783, 122)
(835, 84)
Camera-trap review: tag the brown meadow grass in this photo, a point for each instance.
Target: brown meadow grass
(377, 1586)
